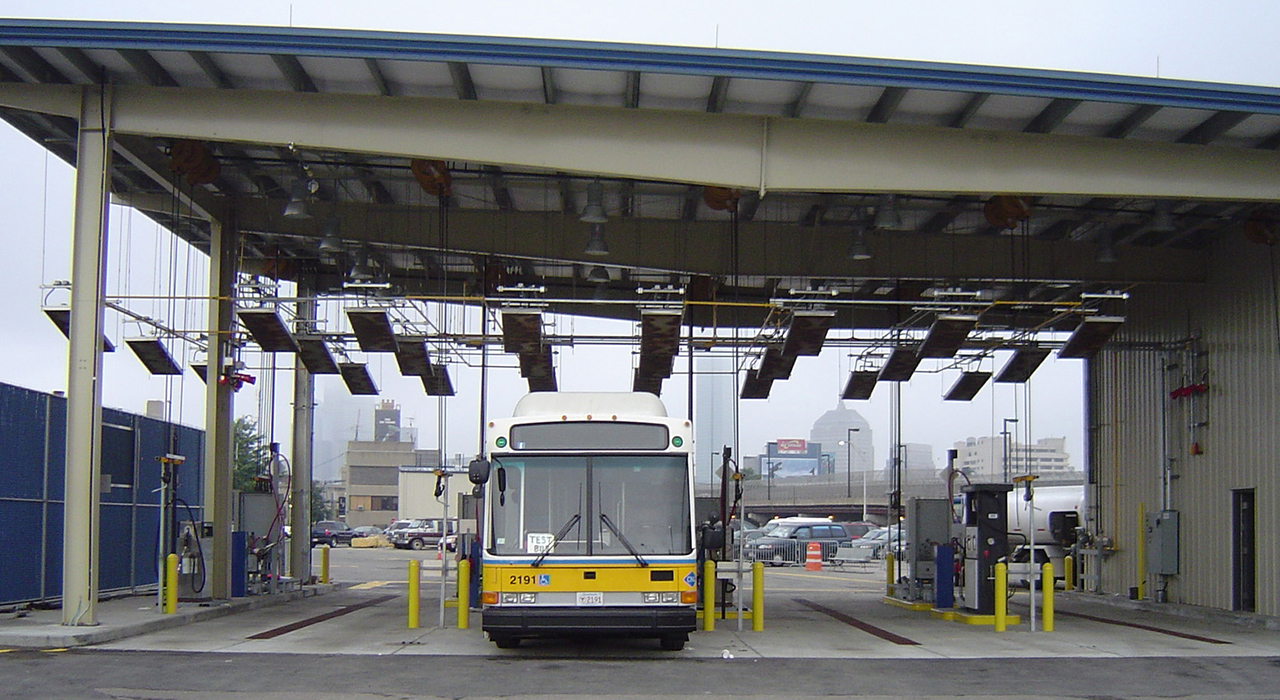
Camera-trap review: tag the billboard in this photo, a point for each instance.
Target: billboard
(792, 446)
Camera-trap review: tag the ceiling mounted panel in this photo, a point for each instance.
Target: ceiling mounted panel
(411, 357)
(521, 331)
(154, 356)
(860, 385)
(373, 330)
(268, 331)
(947, 335)
(1022, 365)
(357, 378)
(315, 355)
(1089, 337)
(901, 365)
(61, 317)
(808, 332)
(967, 386)
(753, 387)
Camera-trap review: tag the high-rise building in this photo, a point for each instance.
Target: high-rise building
(993, 459)
(833, 430)
(714, 396)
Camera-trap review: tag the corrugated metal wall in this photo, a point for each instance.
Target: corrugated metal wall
(32, 449)
(1226, 336)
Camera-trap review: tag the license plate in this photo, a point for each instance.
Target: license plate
(590, 598)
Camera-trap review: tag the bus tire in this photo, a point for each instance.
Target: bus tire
(504, 642)
(672, 642)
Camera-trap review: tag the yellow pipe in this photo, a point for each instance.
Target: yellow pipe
(1142, 551)
(415, 567)
(1046, 587)
(171, 584)
(464, 594)
(324, 563)
(1068, 573)
(709, 596)
(888, 573)
(1001, 595)
(757, 597)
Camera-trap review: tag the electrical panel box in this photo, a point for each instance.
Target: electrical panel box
(1162, 543)
(928, 524)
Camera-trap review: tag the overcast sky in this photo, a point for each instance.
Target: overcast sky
(1228, 42)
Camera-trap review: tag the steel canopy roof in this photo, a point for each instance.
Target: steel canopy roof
(508, 224)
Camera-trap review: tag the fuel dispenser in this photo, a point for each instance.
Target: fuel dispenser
(986, 541)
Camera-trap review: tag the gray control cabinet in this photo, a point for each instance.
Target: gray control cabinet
(1162, 543)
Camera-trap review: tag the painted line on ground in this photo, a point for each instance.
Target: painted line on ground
(370, 584)
(293, 626)
(855, 622)
(1149, 628)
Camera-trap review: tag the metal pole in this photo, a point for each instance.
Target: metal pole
(864, 495)
(219, 407)
(1007, 448)
(84, 372)
(303, 430)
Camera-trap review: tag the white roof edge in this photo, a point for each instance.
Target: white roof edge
(579, 404)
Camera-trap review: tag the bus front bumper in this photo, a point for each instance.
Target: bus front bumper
(518, 621)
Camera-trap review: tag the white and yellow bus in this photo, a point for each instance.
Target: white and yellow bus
(588, 524)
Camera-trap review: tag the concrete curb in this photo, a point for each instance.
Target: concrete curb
(51, 636)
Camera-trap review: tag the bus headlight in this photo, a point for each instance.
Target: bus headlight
(650, 598)
(510, 598)
(528, 598)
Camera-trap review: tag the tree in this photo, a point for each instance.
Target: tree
(319, 509)
(252, 456)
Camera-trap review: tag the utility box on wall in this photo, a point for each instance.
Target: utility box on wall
(1162, 543)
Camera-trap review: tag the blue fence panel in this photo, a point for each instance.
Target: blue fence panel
(146, 544)
(56, 449)
(22, 423)
(20, 554)
(32, 472)
(52, 553)
(115, 547)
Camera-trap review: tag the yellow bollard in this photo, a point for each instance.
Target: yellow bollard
(324, 563)
(757, 597)
(1001, 595)
(1068, 573)
(888, 573)
(709, 596)
(1046, 587)
(464, 594)
(171, 584)
(415, 568)
(1142, 550)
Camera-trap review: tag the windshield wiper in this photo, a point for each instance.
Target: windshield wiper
(604, 518)
(559, 536)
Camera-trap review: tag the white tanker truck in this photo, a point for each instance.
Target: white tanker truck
(1052, 525)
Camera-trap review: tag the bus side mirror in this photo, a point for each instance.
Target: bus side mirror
(478, 471)
(713, 537)
(502, 480)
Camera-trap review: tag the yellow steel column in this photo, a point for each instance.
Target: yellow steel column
(171, 584)
(888, 573)
(464, 594)
(415, 567)
(1046, 588)
(1068, 573)
(324, 563)
(709, 596)
(1001, 595)
(757, 597)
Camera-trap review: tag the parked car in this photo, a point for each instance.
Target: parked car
(422, 533)
(331, 532)
(786, 543)
(883, 540)
(366, 531)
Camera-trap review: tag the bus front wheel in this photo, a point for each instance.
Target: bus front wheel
(505, 642)
(672, 642)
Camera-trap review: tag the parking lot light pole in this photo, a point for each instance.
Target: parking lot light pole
(1005, 435)
(848, 470)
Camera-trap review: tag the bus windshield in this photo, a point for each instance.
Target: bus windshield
(621, 503)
